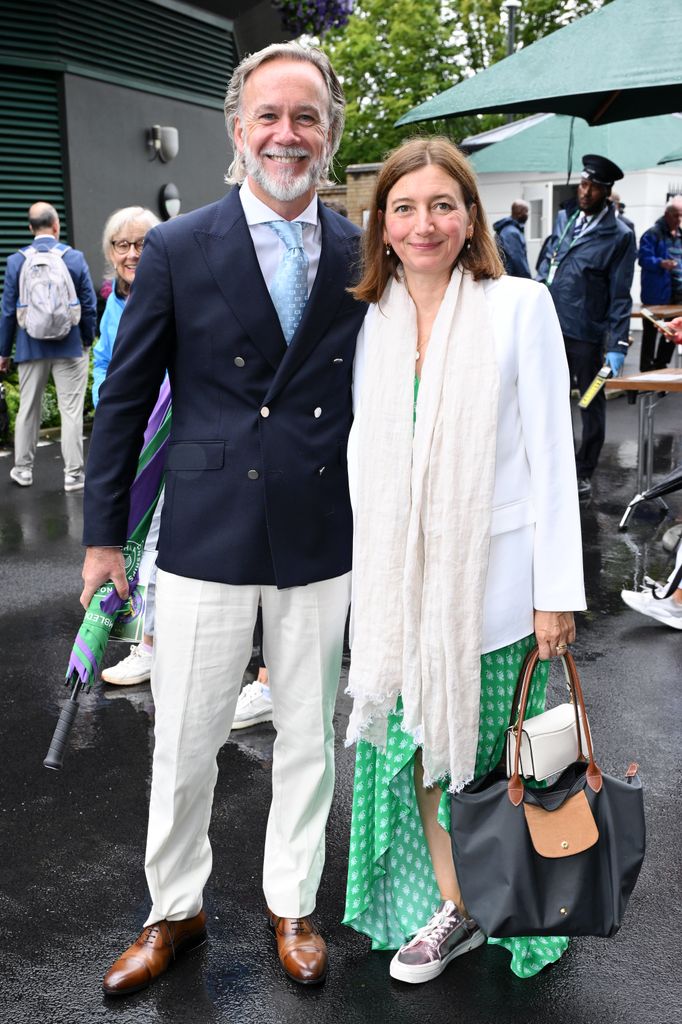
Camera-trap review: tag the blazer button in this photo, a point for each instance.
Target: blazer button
(253, 474)
(321, 470)
(265, 412)
(317, 413)
(238, 361)
(338, 360)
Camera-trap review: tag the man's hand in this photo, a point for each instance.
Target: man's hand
(668, 264)
(100, 566)
(552, 629)
(4, 363)
(615, 360)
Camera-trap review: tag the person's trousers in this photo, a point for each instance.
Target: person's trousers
(71, 379)
(585, 359)
(203, 643)
(653, 356)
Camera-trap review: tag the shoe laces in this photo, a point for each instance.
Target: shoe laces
(435, 930)
(252, 691)
(152, 930)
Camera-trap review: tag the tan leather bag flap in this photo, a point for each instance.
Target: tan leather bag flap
(569, 829)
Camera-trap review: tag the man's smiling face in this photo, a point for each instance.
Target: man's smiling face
(282, 130)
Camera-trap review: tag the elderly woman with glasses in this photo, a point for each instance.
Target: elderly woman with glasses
(122, 243)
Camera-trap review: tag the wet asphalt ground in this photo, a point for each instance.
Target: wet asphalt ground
(72, 887)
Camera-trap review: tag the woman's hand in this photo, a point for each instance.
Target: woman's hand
(552, 629)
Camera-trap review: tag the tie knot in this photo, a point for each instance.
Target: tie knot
(289, 231)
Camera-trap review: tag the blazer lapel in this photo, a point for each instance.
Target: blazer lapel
(232, 261)
(328, 291)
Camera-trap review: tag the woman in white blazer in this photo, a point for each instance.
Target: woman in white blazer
(467, 547)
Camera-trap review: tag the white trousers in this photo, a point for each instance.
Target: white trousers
(71, 378)
(203, 642)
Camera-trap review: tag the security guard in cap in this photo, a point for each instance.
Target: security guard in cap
(588, 267)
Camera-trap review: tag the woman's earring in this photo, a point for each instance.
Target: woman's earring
(388, 249)
(467, 244)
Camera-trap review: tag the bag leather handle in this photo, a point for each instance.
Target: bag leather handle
(513, 718)
(515, 786)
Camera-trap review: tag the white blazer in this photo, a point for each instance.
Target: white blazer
(535, 545)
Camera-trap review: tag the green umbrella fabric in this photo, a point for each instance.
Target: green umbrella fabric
(544, 145)
(607, 66)
(106, 606)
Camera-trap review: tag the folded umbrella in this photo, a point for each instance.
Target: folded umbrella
(671, 482)
(106, 607)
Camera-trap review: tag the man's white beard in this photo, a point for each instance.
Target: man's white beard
(287, 184)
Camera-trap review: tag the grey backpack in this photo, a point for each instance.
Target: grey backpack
(48, 306)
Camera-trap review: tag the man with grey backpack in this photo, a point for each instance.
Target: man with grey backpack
(49, 304)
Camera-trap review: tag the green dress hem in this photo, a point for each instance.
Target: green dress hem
(391, 890)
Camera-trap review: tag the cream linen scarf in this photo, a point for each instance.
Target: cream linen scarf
(422, 526)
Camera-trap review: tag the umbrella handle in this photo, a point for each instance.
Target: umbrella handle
(55, 755)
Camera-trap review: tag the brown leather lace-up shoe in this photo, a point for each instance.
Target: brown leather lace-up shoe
(152, 953)
(301, 948)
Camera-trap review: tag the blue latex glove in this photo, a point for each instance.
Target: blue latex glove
(615, 360)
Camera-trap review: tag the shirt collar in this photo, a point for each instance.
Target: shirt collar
(256, 212)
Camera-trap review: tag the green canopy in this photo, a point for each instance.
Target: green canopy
(672, 158)
(610, 65)
(544, 145)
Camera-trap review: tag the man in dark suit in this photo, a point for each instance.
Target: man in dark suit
(65, 357)
(245, 304)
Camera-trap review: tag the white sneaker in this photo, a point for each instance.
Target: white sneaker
(445, 936)
(136, 668)
(663, 610)
(23, 477)
(253, 707)
(74, 482)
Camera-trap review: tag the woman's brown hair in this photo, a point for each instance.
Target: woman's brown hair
(481, 258)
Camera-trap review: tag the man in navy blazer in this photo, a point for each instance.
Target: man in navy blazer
(65, 358)
(256, 504)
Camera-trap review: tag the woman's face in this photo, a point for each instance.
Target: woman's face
(125, 263)
(426, 221)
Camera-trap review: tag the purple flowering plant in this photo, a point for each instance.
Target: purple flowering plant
(313, 17)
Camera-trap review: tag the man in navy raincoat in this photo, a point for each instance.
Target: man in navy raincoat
(588, 267)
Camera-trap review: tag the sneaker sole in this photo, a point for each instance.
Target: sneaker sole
(417, 973)
(672, 622)
(21, 483)
(128, 681)
(256, 720)
(73, 489)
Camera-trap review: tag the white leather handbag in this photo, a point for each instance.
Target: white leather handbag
(549, 741)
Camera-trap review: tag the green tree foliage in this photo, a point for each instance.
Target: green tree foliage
(394, 54)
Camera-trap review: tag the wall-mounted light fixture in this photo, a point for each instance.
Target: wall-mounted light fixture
(163, 142)
(169, 201)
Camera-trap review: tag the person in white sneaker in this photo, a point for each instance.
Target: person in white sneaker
(64, 356)
(662, 602)
(122, 243)
(472, 554)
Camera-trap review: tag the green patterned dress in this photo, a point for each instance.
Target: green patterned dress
(392, 889)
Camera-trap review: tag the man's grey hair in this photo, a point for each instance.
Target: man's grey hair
(673, 203)
(283, 51)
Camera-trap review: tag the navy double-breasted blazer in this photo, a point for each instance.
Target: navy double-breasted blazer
(256, 480)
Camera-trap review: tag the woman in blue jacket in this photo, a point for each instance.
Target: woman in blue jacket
(122, 243)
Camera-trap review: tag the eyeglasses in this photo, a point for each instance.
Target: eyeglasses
(122, 245)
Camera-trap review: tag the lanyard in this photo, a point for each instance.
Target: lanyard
(554, 259)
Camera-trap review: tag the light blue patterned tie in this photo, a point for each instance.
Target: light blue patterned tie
(289, 290)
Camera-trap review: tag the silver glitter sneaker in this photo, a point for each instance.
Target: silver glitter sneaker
(445, 936)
